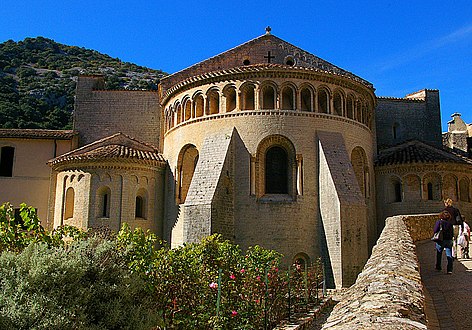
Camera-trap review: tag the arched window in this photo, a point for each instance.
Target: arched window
(338, 104)
(306, 99)
(432, 187)
(358, 111)
(430, 191)
(268, 97)
(398, 191)
(139, 211)
(230, 95)
(6, 161)
(179, 113)
(276, 171)
(186, 165)
(394, 190)
(247, 97)
(350, 107)
(104, 195)
(213, 102)
(69, 203)
(323, 101)
(395, 131)
(288, 98)
(301, 261)
(198, 101)
(187, 110)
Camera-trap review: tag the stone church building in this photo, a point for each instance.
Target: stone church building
(265, 144)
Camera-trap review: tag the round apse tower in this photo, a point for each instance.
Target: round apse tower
(270, 145)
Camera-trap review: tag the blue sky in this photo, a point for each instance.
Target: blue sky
(399, 46)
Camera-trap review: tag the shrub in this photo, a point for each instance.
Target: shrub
(84, 286)
(17, 232)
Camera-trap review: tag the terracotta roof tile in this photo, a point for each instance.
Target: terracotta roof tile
(418, 152)
(118, 147)
(36, 133)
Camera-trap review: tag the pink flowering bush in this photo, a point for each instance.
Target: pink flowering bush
(212, 284)
(185, 283)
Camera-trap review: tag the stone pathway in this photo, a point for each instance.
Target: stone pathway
(448, 297)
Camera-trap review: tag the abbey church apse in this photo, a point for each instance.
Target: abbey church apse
(265, 144)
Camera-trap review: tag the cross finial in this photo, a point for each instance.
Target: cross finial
(268, 29)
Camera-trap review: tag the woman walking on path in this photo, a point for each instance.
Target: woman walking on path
(445, 224)
(456, 220)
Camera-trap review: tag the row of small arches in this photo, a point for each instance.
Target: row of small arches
(268, 96)
(430, 186)
(104, 196)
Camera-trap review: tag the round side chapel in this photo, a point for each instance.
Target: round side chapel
(265, 144)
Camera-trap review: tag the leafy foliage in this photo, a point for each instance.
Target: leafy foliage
(84, 286)
(38, 78)
(185, 282)
(19, 231)
(99, 280)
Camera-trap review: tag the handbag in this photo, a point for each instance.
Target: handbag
(438, 236)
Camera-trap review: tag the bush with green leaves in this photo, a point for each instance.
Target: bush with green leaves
(84, 286)
(17, 232)
(102, 280)
(213, 284)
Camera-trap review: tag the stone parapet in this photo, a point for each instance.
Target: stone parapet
(421, 226)
(388, 294)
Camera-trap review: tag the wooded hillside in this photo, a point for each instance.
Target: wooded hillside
(38, 78)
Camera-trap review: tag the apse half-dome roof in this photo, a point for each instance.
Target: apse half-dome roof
(115, 148)
(266, 49)
(418, 152)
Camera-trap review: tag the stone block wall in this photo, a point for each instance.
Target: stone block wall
(124, 185)
(416, 116)
(421, 226)
(388, 294)
(99, 113)
(343, 210)
(205, 211)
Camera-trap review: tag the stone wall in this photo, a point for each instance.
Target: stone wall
(202, 212)
(388, 294)
(421, 226)
(417, 116)
(99, 113)
(343, 210)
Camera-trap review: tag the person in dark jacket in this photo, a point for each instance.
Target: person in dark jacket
(445, 223)
(456, 220)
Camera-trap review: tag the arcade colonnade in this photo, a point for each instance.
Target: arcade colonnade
(209, 100)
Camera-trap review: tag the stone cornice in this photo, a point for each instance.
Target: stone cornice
(111, 165)
(265, 113)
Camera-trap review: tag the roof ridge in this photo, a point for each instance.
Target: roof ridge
(399, 154)
(103, 143)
